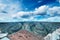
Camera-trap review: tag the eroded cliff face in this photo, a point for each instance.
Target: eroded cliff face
(39, 28)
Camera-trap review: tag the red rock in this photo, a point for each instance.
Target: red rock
(24, 35)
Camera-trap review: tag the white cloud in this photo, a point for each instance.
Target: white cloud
(2, 6)
(41, 9)
(21, 13)
(54, 10)
(45, 9)
(10, 7)
(51, 19)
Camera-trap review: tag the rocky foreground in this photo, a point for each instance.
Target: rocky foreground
(24, 35)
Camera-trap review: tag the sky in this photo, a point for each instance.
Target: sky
(29, 10)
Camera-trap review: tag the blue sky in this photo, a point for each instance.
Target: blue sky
(29, 10)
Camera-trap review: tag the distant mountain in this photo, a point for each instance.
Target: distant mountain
(39, 28)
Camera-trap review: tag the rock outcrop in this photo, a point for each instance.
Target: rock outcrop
(53, 36)
(24, 35)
